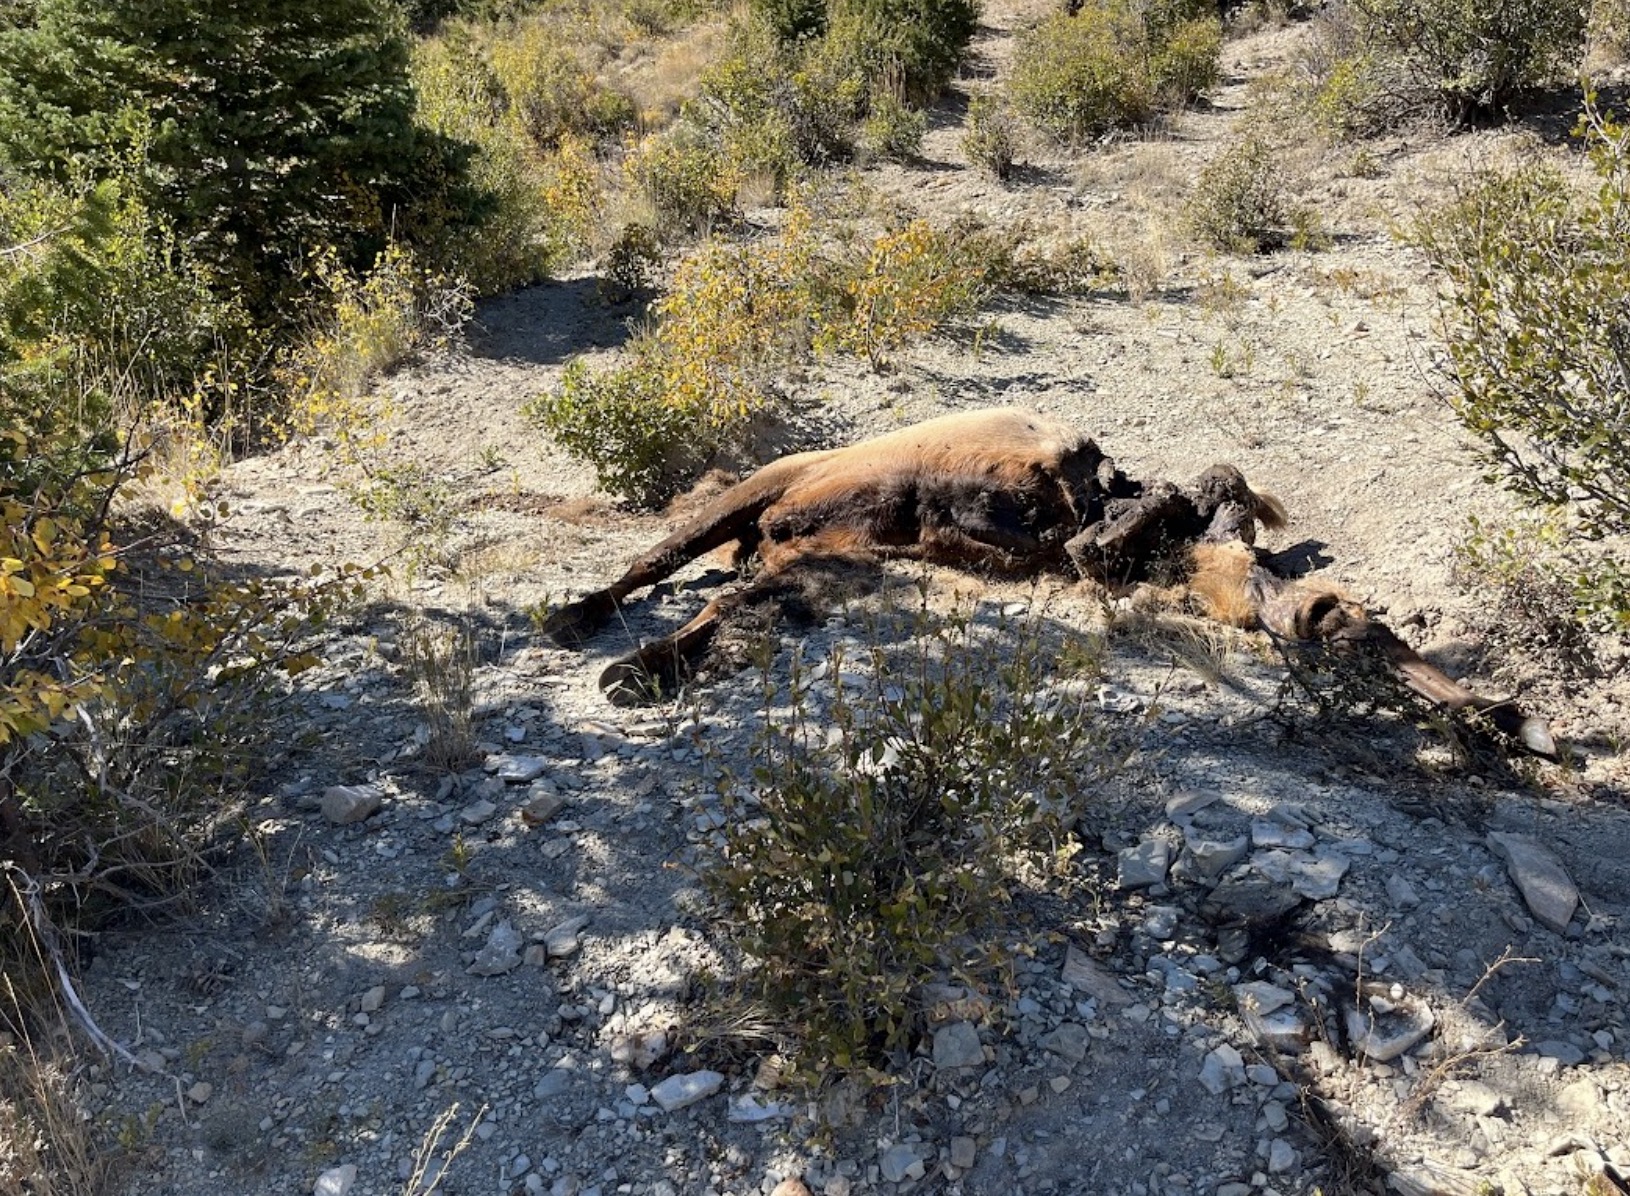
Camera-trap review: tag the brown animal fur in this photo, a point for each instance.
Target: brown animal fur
(1009, 491)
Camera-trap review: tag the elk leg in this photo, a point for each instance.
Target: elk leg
(1437, 687)
(732, 516)
(658, 669)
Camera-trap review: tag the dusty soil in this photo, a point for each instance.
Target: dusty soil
(320, 1010)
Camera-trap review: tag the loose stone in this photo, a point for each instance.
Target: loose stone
(1144, 865)
(336, 1181)
(901, 1162)
(678, 1091)
(1539, 877)
(345, 804)
(957, 1045)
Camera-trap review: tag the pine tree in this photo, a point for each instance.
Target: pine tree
(268, 130)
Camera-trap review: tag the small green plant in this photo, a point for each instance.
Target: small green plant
(410, 495)
(619, 421)
(896, 801)
(630, 263)
(991, 139)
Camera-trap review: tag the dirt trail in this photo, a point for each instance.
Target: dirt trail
(325, 997)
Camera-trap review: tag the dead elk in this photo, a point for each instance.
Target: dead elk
(1013, 492)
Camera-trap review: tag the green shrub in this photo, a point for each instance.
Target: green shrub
(1546, 595)
(547, 90)
(1111, 64)
(892, 130)
(736, 314)
(460, 98)
(687, 179)
(1186, 59)
(1386, 59)
(1534, 316)
(630, 263)
(641, 447)
(777, 108)
(896, 803)
(793, 20)
(991, 138)
(912, 45)
(1240, 202)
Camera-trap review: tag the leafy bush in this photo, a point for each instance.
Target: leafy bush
(618, 420)
(460, 99)
(991, 138)
(1240, 202)
(630, 263)
(778, 107)
(549, 93)
(686, 178)
(1535, 317)
(893, 130)
(736, 313)
(1113, 63)
(912, 45)
(1546, 596)
(883, 829)
(1466, 58)
(909, 282)
(793, 20)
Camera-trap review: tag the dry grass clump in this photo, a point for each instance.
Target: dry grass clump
(440, 662)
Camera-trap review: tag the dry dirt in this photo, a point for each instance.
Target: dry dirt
(322, 995)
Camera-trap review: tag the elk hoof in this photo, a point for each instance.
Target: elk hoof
(572, 624)
(645, 677)
(1535, 735)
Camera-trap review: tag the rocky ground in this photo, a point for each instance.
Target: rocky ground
(1299, 956)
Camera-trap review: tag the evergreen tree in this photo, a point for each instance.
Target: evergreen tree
(268, 130)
